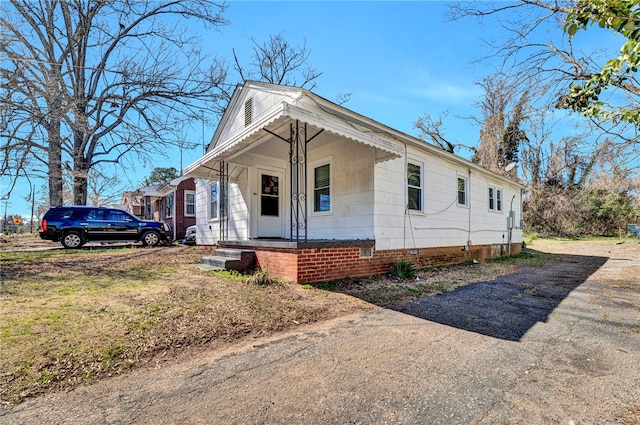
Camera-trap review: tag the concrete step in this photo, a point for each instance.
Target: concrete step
(209, 267)
(231, 259)
(236, 254)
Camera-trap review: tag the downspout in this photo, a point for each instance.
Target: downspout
(469, 203)
(174, 212)
(406, 197)
(510, 224)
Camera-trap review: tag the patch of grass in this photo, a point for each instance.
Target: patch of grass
(68, 317)
(262, 278)
(328, 286)
(528, 257)
(230, 274)
(391, 291)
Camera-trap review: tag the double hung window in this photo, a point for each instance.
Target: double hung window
(189, 203)
(462, 191)
(168, 205)
(495, 199)
(322, 188)
(414, 186)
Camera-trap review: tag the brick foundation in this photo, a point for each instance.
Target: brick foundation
(326, 263)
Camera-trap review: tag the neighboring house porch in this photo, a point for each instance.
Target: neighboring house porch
(172, 202)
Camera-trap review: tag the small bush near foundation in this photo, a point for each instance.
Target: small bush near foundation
(262, 278)
(403, 269)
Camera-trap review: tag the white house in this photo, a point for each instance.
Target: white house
(320, 192)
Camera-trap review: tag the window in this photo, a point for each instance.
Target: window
(495, 199)
(189, 203)
(492, 198)
(414, 186)
(269, 195)
(462, 191)
(168, 206)
(95, 215)
(115, 215)
(213, 201)
(322, 188)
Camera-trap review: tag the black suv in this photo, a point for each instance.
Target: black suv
(74, 226)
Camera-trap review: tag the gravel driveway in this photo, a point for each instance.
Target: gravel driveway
(554, 345)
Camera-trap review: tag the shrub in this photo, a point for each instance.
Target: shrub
(262, 278)
(403, 269)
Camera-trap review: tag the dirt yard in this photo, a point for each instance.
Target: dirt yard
(576, 362)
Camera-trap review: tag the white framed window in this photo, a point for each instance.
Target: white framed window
(189, 203)
(414, 186)
(322, 188)
(462, 189)
(214, 201)
(495, 199)
(168, 206)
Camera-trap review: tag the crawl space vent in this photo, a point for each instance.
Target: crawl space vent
(248, 111)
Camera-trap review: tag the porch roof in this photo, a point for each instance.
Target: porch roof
(276, 121)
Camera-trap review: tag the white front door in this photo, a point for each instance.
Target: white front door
(270, 212)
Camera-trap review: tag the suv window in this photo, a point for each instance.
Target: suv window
(115, 215)
(95, 215)
(60, 214)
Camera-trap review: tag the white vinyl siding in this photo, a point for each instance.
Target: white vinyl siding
(351, 167)
(207, 229)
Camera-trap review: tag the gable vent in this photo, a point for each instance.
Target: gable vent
(248, 111)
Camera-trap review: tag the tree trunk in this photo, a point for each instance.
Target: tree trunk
(80, 186)
(55, 165)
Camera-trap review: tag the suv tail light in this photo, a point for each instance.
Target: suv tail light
(43, 225)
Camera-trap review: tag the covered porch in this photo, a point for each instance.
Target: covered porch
(287, 175)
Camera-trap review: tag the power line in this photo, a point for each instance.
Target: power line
(112, 71)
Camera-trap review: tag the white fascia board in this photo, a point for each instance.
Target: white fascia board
(230, 147)
(343, 128)
(406, 139)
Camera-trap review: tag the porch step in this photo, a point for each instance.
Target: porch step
(231, 259)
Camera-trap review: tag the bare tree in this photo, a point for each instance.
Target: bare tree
(542, 49)
(433, 130)
(90, 82)
(103, 189)
(504, 110)
(276, 61)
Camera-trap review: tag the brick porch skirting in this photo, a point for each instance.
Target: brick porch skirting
(321, 261)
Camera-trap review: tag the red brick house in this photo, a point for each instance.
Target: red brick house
(172, 202)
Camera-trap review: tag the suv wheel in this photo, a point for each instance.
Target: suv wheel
(72, 240)
(150, 238)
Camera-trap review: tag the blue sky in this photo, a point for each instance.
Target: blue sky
(399, 60)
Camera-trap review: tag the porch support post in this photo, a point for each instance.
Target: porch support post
(224, 200)
(298, 179)
(298, 140)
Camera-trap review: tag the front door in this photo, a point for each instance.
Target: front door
(269, 205)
